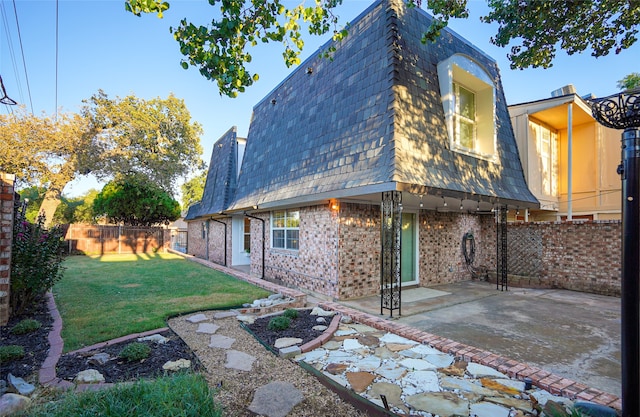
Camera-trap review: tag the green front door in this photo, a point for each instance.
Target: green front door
(408, 250)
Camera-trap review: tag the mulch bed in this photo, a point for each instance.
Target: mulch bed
(35, 344)
(120, 370)
(301, 327)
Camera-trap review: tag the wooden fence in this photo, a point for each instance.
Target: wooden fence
(99, 239)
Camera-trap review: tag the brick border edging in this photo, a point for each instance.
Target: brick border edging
(324, 337)
(47, 376)
(555, 384)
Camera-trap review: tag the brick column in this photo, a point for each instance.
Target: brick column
(6, 236)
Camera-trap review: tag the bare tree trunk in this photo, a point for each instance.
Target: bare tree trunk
(50, 204)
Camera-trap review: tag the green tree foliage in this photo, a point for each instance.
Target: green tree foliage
(69, 210)
(193, 189)
(136, 201)
(154, 138)
(36, 258)
(221, 50)
(630, 82)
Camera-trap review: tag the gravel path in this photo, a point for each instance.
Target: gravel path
(235, 389)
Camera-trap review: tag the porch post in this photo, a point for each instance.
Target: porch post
(390, 264)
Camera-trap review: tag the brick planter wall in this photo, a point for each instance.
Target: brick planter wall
(7, 196)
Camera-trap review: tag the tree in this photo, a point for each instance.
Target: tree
(630, 82)
(220, 51)
(48, 152)
(154, 138)
(110, 136)
(193, 189)
(136, 201)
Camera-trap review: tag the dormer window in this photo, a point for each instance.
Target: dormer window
(468, 100)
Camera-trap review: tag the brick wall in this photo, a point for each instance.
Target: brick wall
(196, 241)
(7, 195)
(217, 241)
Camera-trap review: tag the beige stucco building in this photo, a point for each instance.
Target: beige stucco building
(570, 161)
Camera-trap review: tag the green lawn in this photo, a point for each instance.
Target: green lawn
(104, 297)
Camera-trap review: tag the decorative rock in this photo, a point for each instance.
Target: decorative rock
(197, 318)
(284, 342)
(336, 368)
(332, 345)
(346, 320)
(314, 355)
(3, 386)
(289, 352)
(155, 338)
(351, 344)
(245, 318)
(369, 340)
(518, 404)
(465, 385)
(452, 371)
(485, 409)
(480, 371)
(99, 359)
(321, 320)
(440, 361)
(391, 392)
(444, 404)
(19, 385)
(207, 328)
(317, 311)
(224, 314)
(391, 371)
(397, 347)
(344, 332)
(89, 376)
(359, 381)
(177, 365)
(417, 365)
(222, 342)
(12, 403)
(420, 381)
(319, 328)
(515, 384)
(275, 297)
(394, 338)
(543, 396)
(239, 360)
(368, 363)
(496, 386)
(275, 399)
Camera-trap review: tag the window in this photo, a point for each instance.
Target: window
(468, 100)
(247, 235)
(204, 230)
(285, 229)
(464, 117)
(547, 142)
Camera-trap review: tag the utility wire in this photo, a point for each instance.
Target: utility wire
(56, 100)
(12, 54)
(24, 62)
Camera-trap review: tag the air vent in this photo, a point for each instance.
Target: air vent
(567, 89)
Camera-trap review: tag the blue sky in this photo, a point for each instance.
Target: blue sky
(101, 46)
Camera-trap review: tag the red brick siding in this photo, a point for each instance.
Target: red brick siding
(7, 194)
(217, 241)
(196, 244)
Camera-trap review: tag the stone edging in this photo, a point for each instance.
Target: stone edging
(555, 384)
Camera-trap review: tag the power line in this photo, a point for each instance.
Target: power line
(56, 99)
(12, 54)
(24, 62)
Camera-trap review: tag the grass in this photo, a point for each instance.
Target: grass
(184, 395)
(104, 297)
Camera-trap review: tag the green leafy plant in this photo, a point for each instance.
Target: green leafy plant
(26, 326)
(279, 323)
(36, 258)
(291, 313)
(11, 352)
(135, 351)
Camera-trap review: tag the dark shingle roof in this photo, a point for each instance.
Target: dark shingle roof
(221, 181)
(371, 119)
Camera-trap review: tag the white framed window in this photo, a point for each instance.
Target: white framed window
(285, 229)
(468, 99)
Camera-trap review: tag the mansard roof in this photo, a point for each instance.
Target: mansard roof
(221, 182)
(370, 120)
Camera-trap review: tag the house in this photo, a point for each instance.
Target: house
(368, 171)
(570, 161)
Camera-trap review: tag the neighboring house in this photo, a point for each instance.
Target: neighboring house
(557, 133)
(389, 135)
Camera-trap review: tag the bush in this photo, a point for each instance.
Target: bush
(291, 313)
(135, 351)
(11, 352)
(26, 326)
(36, 258)
(279, 323)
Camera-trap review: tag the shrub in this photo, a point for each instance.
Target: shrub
(26, 326)
(279, 323)
(135, 351)
(11, 352)
(291, 313)
(36, 258)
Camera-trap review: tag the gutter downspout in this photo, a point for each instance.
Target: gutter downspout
(570, 161)
(225, 239)
(263, 239)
